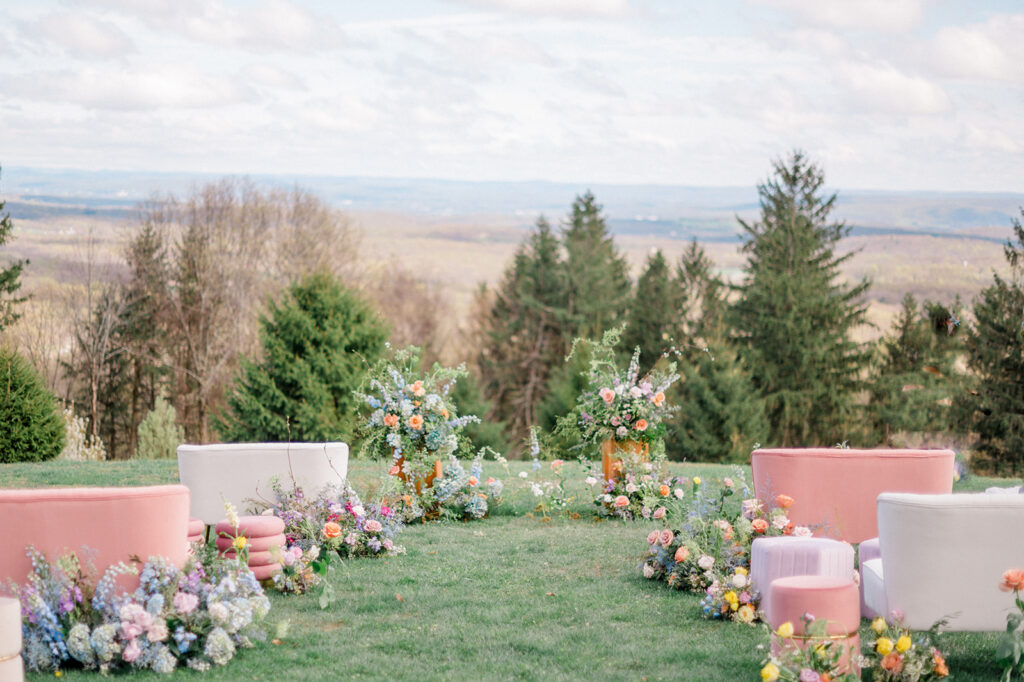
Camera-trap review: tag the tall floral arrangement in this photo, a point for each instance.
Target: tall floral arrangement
(412, 420)
(616, 404)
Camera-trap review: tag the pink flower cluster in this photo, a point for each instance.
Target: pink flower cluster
(136, 621)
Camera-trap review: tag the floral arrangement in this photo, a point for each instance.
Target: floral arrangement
(617, 405)
(413, 420)
(466, 496)
(334, 520)
(300, 571)
(197, 616)
(820, 660)
(641, 492)
(1011, 643)
(895, 656)
(731, 596)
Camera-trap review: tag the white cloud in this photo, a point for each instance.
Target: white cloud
(82, 35)
(993, 50)
(875, 15)
(273, 77)
(884, 88)
(557, 8)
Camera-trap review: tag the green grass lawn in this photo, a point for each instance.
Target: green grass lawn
(515, 596)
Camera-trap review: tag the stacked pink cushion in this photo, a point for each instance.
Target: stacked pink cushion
(261, 534)
(196, 531)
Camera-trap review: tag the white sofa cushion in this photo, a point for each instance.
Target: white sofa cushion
(872, 586)
(944, 556)
(237, 472)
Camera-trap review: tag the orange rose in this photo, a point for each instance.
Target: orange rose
(1013, 580)
(444, 412)
(473, 480)
(658, 399)
(417, 389)
(416, 422)
(664, 490)
(760, 526)
(490, 481)
(939, 664)
(682, 554)
(893, 662)
(331, 529)
(788, 530)
(407, 499)
(394, 470)
(641, 425)
(784, 501)
(390, 420)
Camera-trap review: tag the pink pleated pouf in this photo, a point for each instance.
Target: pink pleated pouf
(832, 599)
(196, 531)
(784, 556)
(251, 527)
(254, 544)
(261, 533)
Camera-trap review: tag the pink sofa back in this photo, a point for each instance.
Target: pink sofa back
(837, 488)
(117, 523)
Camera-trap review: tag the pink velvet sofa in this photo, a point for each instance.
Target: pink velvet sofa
(834, 489)
(117, 523)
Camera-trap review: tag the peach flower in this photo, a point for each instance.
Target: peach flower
(652, 537)
(658, 399)
(444, 412)
(621, 501)
(418, 390)
(939, 664)
(416, 422)
(760, 526)
(667, 537)
(473, 480)
(607, 395)
(390, 419)
(1013, 580)
(490, 481)
(784, 501)
(331, 529)
(394, 470)
(641, 425)
(664, 490)
(892, 662)
(659, 513)
(372, 526)
(683, 553)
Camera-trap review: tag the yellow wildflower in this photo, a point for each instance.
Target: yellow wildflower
(240, 542)
(696, 480)
(785, 630)
(770, 672)
(878, 625)
(903, 643)
(883, 645)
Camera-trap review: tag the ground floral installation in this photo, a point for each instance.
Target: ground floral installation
(197, 616)
(816, 657)
(897, 655)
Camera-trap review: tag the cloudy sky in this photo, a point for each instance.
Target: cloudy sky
(897, 94)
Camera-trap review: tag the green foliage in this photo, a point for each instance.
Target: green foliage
(489, 431)
(159, 432)
(721, 416)
(9, 276)
(597, 273)
(915, 375)
(655, 318)
(793, 315)
(995, 353)
(31, 423)
(703, 303)
(523, 331)
(318, 343)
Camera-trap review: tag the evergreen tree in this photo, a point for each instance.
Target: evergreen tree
(915, 377)
(523, 334)
(793, 315)
(655, 316)
(598, 274)
(317, 345)
(9, 276)
(702, 293)
(31, 424)
(995, 353)
(721, 416)
(490, 431)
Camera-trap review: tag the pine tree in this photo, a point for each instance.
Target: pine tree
(720, 415)
(915, 377)
(702, 292)
(523, 334)
(655, 316)
(793, 315)
(995, 353)
(598, 274)
(9, 276)
(31, 424)
(317, 345)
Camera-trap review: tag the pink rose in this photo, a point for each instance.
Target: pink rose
(132, 651)
(659, 513)
(185, 603)
(621, 501)
(750, 508)
(130, 630)
(373, 526)
(667, 537)
(296, 551)
(631, 488)
(387, 545)
(288, 559)
(607, 395)
(802, 532)
(728, 482)
(652, 537)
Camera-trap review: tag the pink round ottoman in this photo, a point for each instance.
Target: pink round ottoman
(784, 556)
(196, 531)
(836, 600)
(261, 533)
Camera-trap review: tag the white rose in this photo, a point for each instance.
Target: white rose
(706, 562)
(802, 532)
(739, 581)
(648, 571)
(779, 522)
(678, 492)
(523, 474)
(590, 480)
(635, 392)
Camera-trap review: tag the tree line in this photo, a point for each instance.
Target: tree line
(770, 359)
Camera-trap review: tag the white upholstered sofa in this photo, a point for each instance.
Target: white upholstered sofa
(944, 556)
(237, 472)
